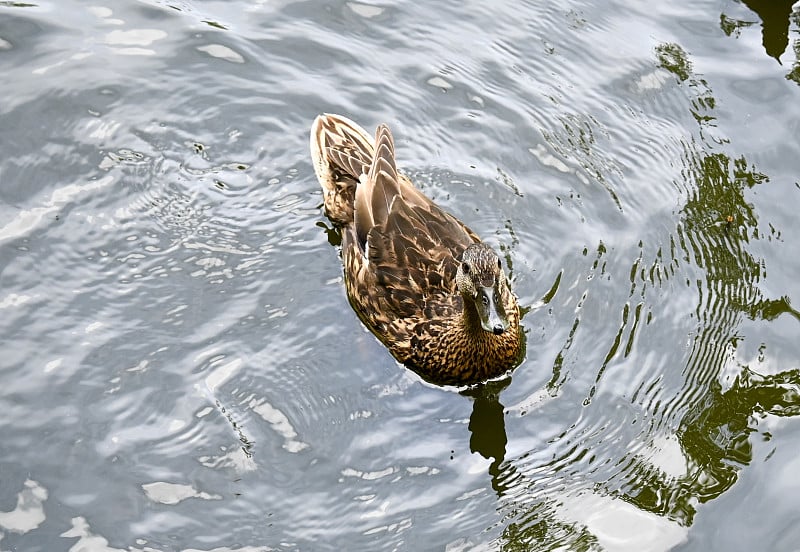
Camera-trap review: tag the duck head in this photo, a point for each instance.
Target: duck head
(482, 282)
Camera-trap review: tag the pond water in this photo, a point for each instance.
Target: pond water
(180, 366)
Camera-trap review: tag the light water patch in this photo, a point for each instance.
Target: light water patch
(439, 82)
(548, 159)
(15, 300)
(221, 374)
(173, 493)
(611, 521)
(221, 52)
(28, 219)
(280, 423)
(135, 37)
(29, 512)
(365, 10)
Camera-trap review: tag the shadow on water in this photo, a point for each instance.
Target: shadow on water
(713, 427)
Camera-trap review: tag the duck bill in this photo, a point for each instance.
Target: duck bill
(493, 315)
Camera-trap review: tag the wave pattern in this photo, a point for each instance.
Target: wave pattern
(181, 346)
(685, 437)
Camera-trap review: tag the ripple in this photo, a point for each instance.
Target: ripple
(179, 325)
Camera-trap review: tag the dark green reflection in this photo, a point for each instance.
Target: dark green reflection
(715, 428)
(540, 530)
(776, 18)
(215, 24)
(715, 436)
(774, 15)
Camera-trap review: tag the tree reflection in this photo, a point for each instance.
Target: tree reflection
(715, 436)
(714, 427)
(776, 17)
(715, 431)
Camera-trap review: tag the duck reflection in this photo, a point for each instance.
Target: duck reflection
(333, 233)
(488, 430)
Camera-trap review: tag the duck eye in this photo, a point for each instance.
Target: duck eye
(499, 264)
(465, 267)
(485, 299)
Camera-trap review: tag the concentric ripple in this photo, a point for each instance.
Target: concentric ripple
(181, 369)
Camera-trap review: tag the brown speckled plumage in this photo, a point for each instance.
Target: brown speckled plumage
(422, 281)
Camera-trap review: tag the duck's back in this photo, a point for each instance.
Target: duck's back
(407, 244)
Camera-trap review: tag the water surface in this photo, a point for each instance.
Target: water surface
(181, 369)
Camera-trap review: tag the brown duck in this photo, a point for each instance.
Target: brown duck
(423, 282)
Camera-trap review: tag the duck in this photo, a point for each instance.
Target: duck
(434, 294)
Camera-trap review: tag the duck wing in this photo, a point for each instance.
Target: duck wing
(411, 243)
(377, 189)
(341, 152)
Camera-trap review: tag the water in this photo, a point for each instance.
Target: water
(181, 369)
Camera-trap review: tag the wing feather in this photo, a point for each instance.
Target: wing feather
(341, 152)
(412, 266)
(382, 177)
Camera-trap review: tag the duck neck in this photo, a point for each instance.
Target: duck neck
(471, 320)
